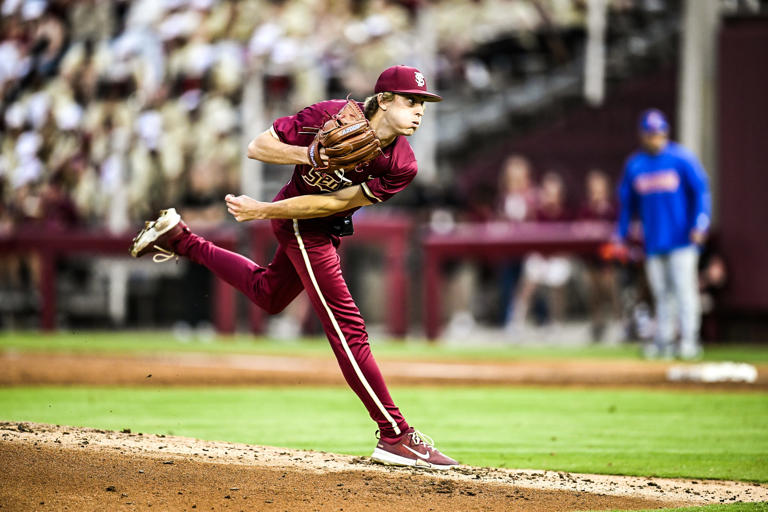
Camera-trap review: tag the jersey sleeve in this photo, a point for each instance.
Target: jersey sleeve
(382, 188)
(627, 202)
(287, 129)
(697, 186)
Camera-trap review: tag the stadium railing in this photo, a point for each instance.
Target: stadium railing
(51, 245)
(497, 242)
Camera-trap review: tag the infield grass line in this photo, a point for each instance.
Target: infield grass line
(733, 507)
(656, 433)
(132, 342)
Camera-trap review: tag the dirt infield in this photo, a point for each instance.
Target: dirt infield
(25, 368)
(65, 468)
(57, 468)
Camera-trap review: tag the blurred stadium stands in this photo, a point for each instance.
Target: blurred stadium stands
(112, 110)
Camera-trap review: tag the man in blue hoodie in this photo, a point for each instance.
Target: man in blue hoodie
(665, 186)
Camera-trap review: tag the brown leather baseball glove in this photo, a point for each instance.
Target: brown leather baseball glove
(348, 141)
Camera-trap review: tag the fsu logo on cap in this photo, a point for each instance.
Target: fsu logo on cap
(405, 80)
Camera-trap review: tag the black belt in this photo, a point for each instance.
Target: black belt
(342, 226)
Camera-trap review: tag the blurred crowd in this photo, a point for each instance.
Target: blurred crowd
(547, 202)
(536, 289)
(113, 109)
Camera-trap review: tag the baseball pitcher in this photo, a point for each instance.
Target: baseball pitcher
(346, 155)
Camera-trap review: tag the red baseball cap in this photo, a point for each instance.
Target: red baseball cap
(405, 80)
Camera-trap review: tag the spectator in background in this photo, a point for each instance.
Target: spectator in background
(58, 211)
(131, 60)
(516, 203)
(666, 187)
(553, 272)
(599, 206)
(133, 100)
(713, 278)
(465, 300)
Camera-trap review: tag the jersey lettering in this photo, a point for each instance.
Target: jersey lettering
(666, 180)
(323, 181)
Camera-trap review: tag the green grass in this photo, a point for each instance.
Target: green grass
(143, 342)
(632, 432)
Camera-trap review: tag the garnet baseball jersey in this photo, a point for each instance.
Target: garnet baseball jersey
(380, 178)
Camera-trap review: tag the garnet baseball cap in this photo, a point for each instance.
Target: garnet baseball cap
(653, 121)
(405, 80)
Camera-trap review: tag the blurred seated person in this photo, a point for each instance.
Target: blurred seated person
(466, 301)
(10, 276)
(58, 209)
(516, 203)
(713, 278)
(601, 273)
(599, 204)
(552, 272)
(28, 203)
(517, 198)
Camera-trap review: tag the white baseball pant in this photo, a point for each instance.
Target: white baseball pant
(673, 279)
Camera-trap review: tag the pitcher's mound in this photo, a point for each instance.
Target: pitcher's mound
(49, 467)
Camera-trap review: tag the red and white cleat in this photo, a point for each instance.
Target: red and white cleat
(412, 449)
(158, 235)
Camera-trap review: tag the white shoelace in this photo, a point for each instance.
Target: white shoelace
(421, 438)
(417, 437)
(164, 255)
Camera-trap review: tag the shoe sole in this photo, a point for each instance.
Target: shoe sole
(167, 221)
(390, 459)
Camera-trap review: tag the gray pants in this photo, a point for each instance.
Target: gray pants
(673, 279)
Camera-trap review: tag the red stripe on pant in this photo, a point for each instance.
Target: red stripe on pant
(292, 269)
